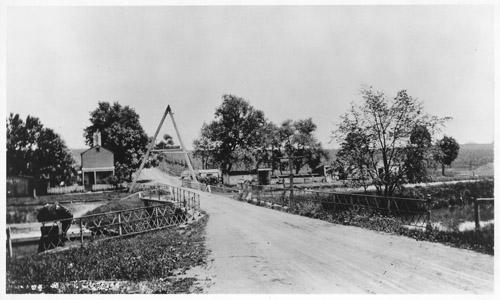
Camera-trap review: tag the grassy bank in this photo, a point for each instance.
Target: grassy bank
(148, 263)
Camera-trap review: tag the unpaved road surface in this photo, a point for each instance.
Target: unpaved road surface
(259, 250)
(156, 175)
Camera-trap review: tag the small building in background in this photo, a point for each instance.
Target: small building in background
(98, 164)
(259, 176)
(232, 178)
(19, 186)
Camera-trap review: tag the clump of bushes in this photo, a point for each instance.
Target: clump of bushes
(451, 194)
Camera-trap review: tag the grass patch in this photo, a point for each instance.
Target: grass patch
(147, 263)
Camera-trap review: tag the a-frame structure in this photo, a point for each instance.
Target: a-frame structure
(151, 145)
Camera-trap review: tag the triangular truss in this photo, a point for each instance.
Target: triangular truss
(151, 145)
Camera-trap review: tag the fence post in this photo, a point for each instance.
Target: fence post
(429, 206)
(81, 231)
(120, 223)
(476, 214)
(9, 240)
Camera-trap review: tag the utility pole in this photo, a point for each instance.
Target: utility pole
(290, 162)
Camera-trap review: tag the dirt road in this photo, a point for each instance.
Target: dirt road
(259, 250)
(156, 175)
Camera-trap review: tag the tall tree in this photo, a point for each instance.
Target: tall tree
(297, 138)
(235, 133)
(419, 155)
(122, 133)
(446, 152)
(353, 159)
(204, 147)
(37, 151)
(386, 127)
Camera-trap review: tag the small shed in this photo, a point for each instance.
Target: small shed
(232, 178)
(98, 163)
(209, 172)
(264, 176)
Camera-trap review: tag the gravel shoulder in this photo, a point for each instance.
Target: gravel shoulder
(259, 250)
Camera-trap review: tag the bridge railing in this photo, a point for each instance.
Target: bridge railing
(109, 225)
(165, 206)
(178, 196)
(414, 212)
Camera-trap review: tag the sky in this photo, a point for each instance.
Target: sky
(291, 62)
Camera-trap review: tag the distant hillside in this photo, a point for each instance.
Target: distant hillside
(470, 155)
(474, 155)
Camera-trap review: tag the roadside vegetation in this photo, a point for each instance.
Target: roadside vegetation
(452, 206)
(149, 263)
(481, 241)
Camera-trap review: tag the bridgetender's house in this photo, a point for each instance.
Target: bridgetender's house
(98, 163)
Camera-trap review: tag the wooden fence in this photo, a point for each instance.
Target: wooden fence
(59, 190)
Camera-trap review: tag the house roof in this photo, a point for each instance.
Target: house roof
(93, 148)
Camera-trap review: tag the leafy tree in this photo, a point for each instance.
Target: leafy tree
(446, 151)
(419, 155)
(203, 148)
(297, 139)
(34, 150)
(382, 131)
(166, 143)
(353, 159)
(241, 136)
(268, 153)
(234, 134)
(121, 133)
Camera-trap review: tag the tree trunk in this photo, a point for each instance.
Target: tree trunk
(442, 169)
